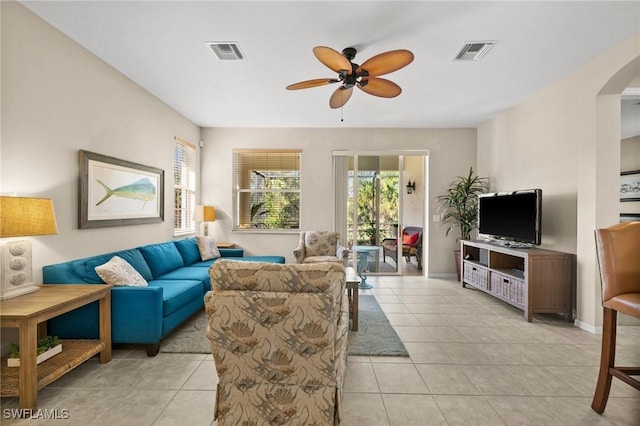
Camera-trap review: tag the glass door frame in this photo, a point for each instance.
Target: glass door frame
(340, 172)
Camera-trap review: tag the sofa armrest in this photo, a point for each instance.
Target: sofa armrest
(298, 253)
(342, 254)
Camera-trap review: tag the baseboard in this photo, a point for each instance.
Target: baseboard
(444, 276)
(587, 327)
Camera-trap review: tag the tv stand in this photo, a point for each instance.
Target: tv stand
(532, 279)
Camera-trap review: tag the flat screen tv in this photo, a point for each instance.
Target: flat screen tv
(513, 217)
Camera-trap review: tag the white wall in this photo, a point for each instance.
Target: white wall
(563, 140)
(451, 152)
(629, 161)
(58, 98)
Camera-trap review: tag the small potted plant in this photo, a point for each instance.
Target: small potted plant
(47, 347)
(458, 207)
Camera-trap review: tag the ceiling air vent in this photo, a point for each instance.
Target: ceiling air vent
(473, 50)
(227, 50)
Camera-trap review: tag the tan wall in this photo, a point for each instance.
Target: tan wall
(563, 140)
(451, 152)
(58, 98)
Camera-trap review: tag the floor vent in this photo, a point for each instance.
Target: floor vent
(226, 51)
(473, 50)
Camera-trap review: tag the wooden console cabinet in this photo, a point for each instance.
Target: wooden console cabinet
(534, 280)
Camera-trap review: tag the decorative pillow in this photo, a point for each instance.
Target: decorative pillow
(208, 248)
(118, 271)
(410, 239)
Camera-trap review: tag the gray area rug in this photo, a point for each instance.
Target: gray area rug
(375, 335)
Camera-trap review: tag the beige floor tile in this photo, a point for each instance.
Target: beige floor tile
(467, 410)
(137, 408)
(576, 411)
(494, 380)
(360, 377)
(168, 375)
(188, 407)
(447, 334)
(357, 358)
(84, 407)
(203, 378)
(429, 353)
(391, 360)
(412, 410)
(540, 381)
(402, 319)
(432, 320)
(394, 308)
(399, 378)
(360, 409)
(413, 333)
(516, 410)
(123, 374)
(387, 299)
(446, 379)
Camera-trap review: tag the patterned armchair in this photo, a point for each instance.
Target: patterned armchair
(411, 245)
(279, 340)
(320, 246)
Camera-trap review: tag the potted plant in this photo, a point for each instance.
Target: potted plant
(47, 347)
(458, 207)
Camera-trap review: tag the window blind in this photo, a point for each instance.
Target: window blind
(184, 171)
(266, 189)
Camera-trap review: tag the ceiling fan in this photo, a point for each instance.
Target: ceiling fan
(364, 76)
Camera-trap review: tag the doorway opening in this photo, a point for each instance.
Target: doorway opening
(380, 203)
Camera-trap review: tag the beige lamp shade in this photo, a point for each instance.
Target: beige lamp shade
(24, 216)
(204, 214)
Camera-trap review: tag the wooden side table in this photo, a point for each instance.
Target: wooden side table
(352, 293)
(26, 312)
(225, 245)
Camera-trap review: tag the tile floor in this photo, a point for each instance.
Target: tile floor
(473, 360)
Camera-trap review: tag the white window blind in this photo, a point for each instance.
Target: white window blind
(266, 189)
(184, 171)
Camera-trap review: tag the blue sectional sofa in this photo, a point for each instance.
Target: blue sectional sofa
(177, 281)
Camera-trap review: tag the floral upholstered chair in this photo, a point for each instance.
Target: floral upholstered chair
(278, 334)
(320, 246)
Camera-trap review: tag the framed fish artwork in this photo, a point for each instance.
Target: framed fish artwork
(116, 192)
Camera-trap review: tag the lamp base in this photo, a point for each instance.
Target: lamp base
(18, 291)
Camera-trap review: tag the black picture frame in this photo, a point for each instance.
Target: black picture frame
(115, 192)
(630, 186)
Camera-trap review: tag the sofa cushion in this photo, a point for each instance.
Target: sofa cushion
(176, 294)
(189, 251)
(162, 258)
(85, 269)
(189, 273)
(118, 271)
(207, 248)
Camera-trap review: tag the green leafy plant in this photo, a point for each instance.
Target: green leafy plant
(458, 207)
(43, 346)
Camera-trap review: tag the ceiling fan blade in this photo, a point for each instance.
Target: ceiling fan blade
(311, 83)
(332, 59)
(387, 62)
(340, 97)
(380, 87)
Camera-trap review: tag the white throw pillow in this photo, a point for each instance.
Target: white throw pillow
(118, 271)
(208, 248)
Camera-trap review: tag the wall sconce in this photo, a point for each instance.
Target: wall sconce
(411, 186)
(22, 217)
(204, 214)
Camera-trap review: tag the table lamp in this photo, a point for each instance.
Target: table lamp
(204, 214)
(22, 217)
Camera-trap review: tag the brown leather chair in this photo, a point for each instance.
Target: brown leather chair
(618, 250)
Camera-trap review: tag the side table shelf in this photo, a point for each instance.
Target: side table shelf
(74, 353)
